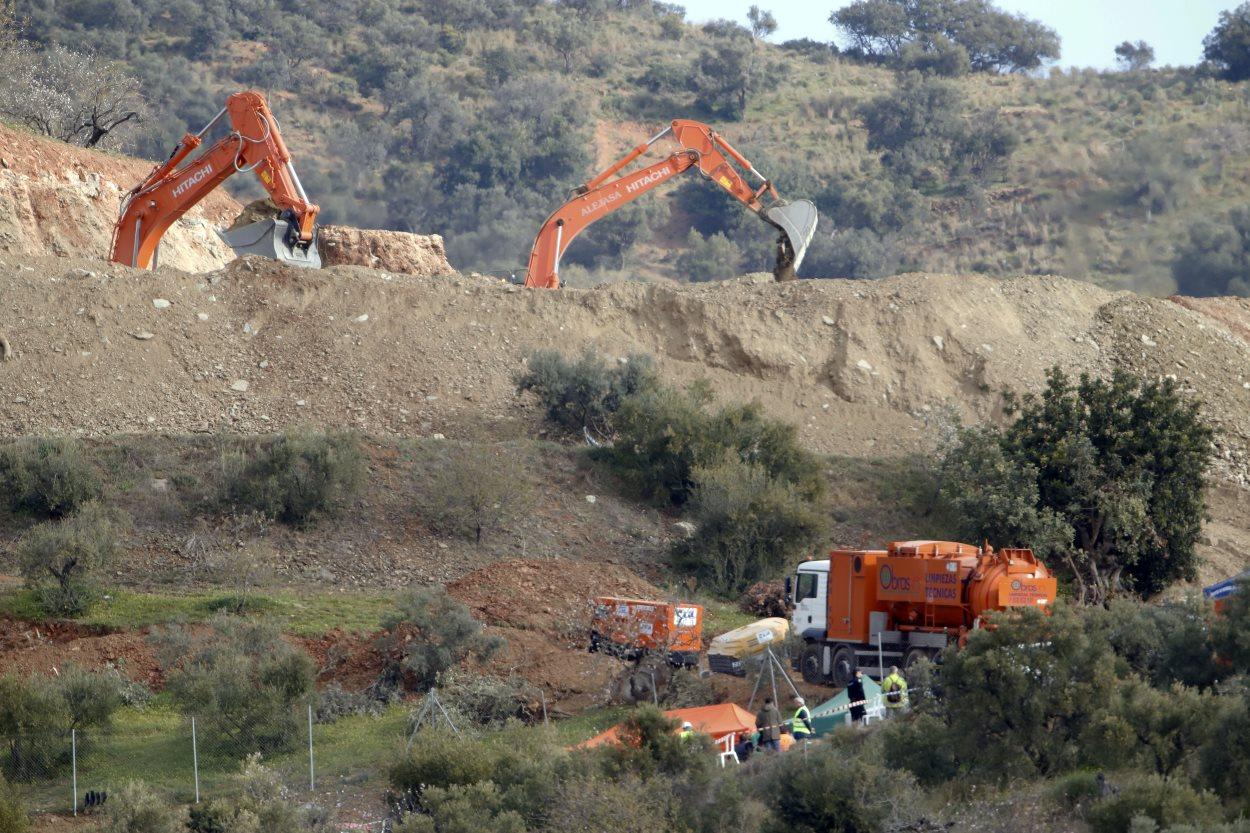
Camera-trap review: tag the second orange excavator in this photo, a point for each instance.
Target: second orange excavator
(701, 148)
(253, 144)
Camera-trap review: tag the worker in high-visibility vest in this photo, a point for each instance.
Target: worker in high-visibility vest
(894, 687)
(801, 723)
(687, 731)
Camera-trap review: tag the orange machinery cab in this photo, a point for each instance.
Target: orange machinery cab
(634, 627)
(929, 586)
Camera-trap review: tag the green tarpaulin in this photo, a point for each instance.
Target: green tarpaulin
(833, 712)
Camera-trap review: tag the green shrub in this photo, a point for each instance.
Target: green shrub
(432, 632)
(584, 392)
(441, 759)
(1020, 697)
(239, 678)
(1166, 801)
(259, 805)
(1158, 730)
(1108, 474)
(1077, 788)
(62, 561)
(334, 702)
(920, 744)
(488, 701)
(47, 476)
(471, 490)
(1224, 764)
(296, 477)
(663, 435)
(135, 808)
(1164, 642)
(478, 807)
(748, 526)
(13, 816)
(835, 787)
(687, 688)
(34, 710)
(650, 746)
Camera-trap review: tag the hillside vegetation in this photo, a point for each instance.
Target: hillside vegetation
(472, 119)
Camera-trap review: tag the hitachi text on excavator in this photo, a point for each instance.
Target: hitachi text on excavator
(253, 144)
(701, 148)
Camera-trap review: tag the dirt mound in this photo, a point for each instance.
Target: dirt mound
(393, 251)
(62, 200)
(541, 608)
(867, 369)
(550, 595)
(1232, 313)
(863, 368)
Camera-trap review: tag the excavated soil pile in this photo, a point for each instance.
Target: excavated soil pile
(863, 368)
(541, 608)
(393, 251)
(62, 200)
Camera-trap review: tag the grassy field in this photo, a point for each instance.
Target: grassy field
(302, 613)
(153, 744)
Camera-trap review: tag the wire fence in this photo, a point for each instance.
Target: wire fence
(185, 759)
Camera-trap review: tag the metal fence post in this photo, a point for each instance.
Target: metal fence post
(195, 760)
(73, 755)
(312, 772)
(880, 658)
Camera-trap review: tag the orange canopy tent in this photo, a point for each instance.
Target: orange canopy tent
(724, 720)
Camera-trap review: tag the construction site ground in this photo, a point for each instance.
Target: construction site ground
(159, 372)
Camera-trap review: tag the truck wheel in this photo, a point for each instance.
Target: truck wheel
(843, 671)
(809, 664)
(914, 656)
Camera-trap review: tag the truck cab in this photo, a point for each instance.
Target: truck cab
(808, 591)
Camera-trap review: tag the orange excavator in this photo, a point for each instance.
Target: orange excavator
(253, 144)
(700, 148)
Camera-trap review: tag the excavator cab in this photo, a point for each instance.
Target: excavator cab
(277, 239)
(797, 223)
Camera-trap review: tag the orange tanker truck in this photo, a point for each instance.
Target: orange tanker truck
(632, 628)
(871, 608)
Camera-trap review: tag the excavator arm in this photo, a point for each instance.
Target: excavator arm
(253, 144)
(700, 148)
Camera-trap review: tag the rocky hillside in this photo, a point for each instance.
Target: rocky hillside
(62, 200)
(867, 369)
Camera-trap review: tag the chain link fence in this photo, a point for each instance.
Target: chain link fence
(185, 759)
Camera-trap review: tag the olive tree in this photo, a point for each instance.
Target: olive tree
(75, 97)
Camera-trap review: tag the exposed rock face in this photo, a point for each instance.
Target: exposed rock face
(392, 251)
(61, 200)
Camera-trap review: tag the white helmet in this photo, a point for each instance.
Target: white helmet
(687, 725)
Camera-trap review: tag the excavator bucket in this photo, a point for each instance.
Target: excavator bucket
(271, 239)
(797, 221)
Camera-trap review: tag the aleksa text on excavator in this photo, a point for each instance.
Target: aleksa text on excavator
(701, 148)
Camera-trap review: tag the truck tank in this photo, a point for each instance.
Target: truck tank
(943, 584)
(911, 600)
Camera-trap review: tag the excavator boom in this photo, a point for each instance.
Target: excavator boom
(701, 148)
(254, 144)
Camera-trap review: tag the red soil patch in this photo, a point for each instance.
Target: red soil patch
(27, 648)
